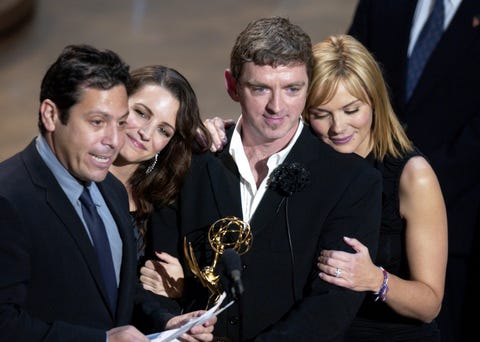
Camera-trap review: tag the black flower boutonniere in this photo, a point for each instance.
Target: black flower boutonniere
(289, 178)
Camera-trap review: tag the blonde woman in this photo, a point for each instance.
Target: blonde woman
(349, 109)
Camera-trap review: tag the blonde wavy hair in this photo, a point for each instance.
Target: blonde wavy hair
(343, 59)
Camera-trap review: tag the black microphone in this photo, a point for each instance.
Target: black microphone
(231, 270)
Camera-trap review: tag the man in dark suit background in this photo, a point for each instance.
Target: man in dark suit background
(442, 117)
(297, 193)
(52, 287)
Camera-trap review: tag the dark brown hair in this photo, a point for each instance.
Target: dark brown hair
(161, 186)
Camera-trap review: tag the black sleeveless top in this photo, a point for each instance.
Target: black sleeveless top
(376, 320)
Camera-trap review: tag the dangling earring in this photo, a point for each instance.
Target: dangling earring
(152, 165)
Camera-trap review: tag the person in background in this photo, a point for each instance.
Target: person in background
(442, 117)
(298, 195)
(67, 251)
(152, 164)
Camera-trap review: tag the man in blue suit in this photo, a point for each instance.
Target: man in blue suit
(52, 285)
(442, 117)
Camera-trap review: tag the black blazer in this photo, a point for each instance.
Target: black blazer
(284, 298)
(50, 283)
(443, 114)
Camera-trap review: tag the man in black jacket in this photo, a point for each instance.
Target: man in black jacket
(52, 285)
(298, 195)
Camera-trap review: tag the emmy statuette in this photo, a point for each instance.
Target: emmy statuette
(227, 232)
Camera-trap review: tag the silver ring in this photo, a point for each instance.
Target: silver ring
(338, 272)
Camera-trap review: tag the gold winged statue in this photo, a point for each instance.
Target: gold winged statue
(227, 232)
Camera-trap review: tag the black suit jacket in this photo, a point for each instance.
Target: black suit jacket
(443, 114)
(284, 298)
(50, 282)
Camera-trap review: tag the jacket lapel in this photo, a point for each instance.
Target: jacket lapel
(227, 192)
(272, 201)
(61, 206)
(267, 210)
(438, 68)
(225, 185)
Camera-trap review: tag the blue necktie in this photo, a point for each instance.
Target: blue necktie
(426, 42)
(102, 246)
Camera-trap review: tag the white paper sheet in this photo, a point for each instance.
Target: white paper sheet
(172, 334)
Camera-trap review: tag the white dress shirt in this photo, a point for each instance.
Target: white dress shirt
(250, 194)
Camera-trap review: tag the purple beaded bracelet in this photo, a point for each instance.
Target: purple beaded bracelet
(382, 293)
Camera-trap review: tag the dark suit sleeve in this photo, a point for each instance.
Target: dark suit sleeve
(164, 237)
(152, 312)
(458, 158)
(359, 25)
(16, 324)
(326, 311)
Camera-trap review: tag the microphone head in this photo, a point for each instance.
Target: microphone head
(231, 260)
(230, 269)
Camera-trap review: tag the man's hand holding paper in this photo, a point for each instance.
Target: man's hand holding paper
(192, 326)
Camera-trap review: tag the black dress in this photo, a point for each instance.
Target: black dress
(376, 321)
